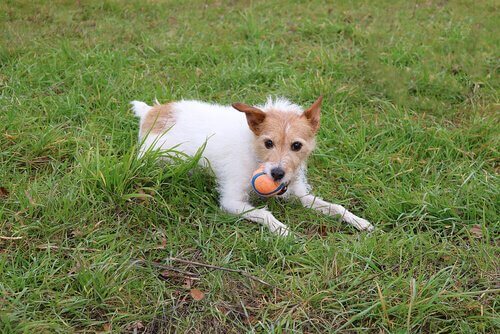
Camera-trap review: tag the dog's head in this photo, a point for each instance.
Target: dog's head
(284, 135)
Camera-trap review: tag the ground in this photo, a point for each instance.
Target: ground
(409, 140)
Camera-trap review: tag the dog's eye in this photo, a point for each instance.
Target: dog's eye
(296, 146)
(269, 144)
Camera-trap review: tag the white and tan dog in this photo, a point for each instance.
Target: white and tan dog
(280, 135)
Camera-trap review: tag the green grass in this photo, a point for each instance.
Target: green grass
(409, 140)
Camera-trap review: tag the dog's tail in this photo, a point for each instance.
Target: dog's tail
(140, 108)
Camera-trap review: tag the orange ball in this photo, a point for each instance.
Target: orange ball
(264, 185)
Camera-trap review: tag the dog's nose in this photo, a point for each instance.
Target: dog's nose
(277, 173)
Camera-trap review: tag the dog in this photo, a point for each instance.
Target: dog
(279, 135)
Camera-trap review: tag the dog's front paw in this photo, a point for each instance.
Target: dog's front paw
(362, 224)
(283, 231)
(279, 228)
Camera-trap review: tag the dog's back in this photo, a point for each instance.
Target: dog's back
(187, 125)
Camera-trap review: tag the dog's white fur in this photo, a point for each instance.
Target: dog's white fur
(230, 153)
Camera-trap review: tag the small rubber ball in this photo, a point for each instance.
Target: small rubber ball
(264, 185)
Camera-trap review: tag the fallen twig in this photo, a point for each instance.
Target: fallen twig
(10, 238)
(164, 267)
(67, 248)
(206, 265)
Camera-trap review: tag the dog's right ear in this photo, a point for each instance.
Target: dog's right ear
(255, 116)
(313, 114)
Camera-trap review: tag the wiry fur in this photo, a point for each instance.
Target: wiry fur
(235, 148)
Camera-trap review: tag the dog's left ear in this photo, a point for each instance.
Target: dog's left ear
(255, 116)
(313, 114)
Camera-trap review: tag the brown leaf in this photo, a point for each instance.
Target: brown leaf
(163, 243)
(3, 192)
(106, 327)
(197, 294)
(138, 325)
(9, 137)
(476, 231)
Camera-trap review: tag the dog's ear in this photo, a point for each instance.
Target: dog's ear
(313, 114)
(255, 116)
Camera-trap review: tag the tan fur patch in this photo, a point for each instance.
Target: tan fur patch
(285, 128)
(158, 119)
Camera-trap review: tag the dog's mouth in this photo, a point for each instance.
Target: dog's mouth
(284, 189)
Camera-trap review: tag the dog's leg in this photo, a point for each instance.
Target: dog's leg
(236, 204)
(301, 189)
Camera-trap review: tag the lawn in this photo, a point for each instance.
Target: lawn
(94, 240)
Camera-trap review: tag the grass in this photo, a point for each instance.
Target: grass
(409, 140)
